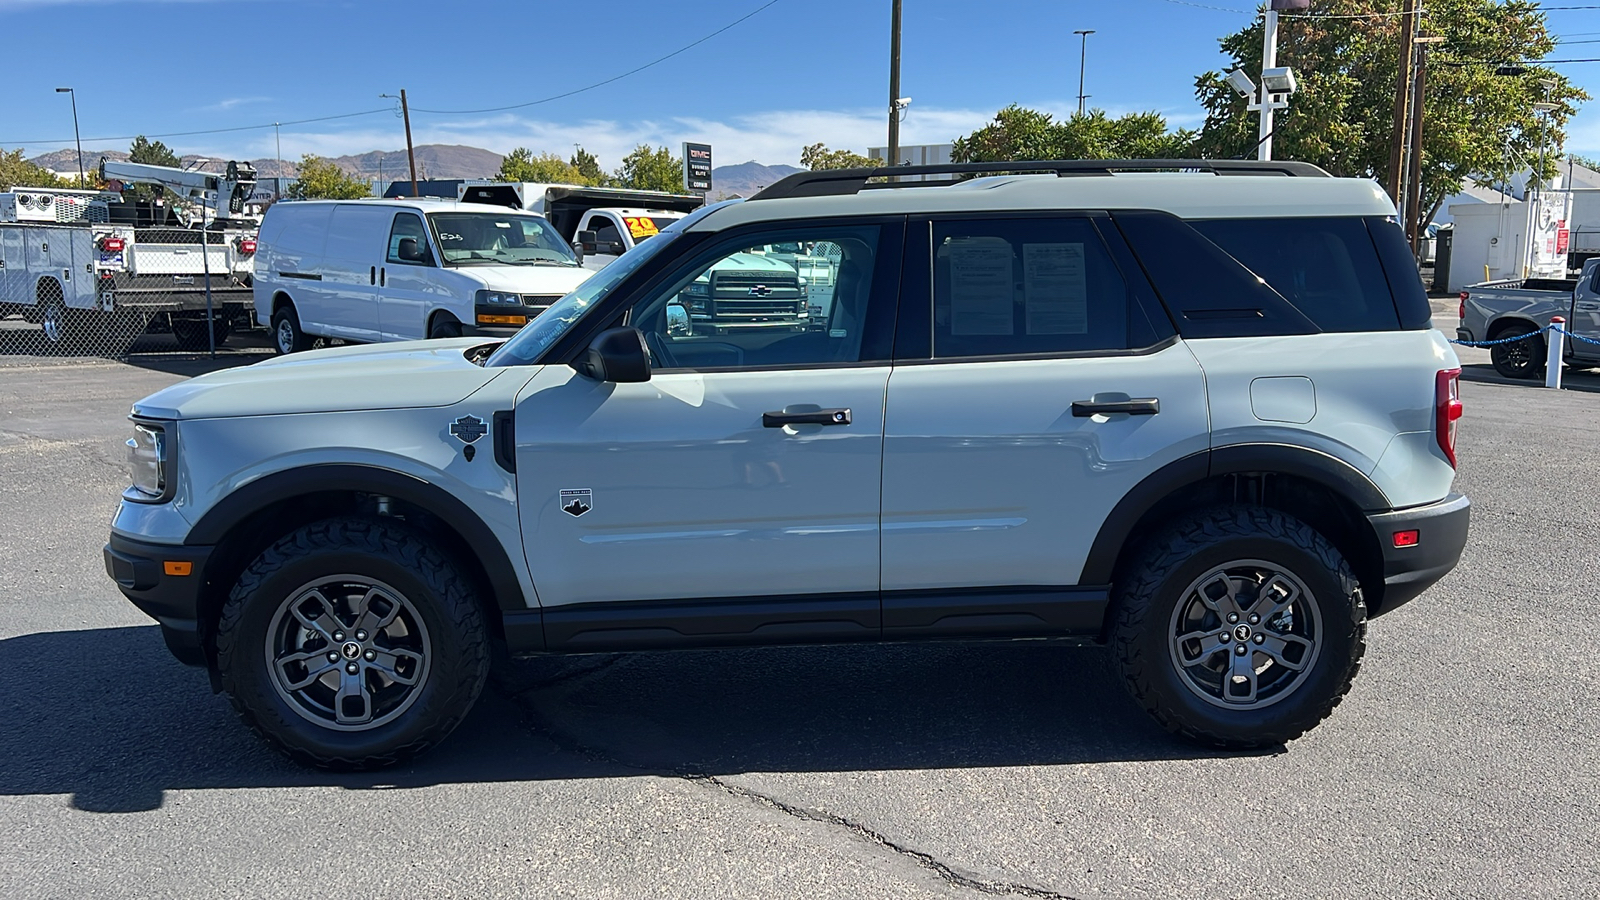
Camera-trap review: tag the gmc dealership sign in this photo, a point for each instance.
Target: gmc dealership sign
(697, 168)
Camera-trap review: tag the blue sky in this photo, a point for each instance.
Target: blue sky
(796, 72)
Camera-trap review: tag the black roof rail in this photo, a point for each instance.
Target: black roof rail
(840, 182)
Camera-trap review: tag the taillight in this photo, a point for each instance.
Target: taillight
(1461, 311)
(1447, 410)
(113, 245)
(247, 246)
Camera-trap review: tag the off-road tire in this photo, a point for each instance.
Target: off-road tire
(1150, 587)
(1518, 359)
(459, 646)
(286, 334)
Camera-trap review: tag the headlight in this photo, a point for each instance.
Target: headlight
(147, 459)
(499, 298)
(698, 289)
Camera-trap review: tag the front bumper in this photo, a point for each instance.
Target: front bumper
(141, 570)
(1441, 535)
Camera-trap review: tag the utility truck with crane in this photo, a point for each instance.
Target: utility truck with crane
(95, 270)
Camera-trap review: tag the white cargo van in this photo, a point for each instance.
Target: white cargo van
(399, 270)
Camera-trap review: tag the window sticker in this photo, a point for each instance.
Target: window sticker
(982, 285)
(641, 226)
(1055, 289)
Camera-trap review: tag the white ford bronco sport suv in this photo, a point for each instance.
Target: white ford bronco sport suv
(1191, 410)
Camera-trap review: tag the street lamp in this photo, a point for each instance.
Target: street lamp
(1083, 54)
(75, 135)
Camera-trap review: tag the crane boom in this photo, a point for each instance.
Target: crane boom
(224, 195)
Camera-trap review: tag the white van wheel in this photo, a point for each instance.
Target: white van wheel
(286, 334)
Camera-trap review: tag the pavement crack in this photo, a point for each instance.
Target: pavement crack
(539, 725)
(925, 860)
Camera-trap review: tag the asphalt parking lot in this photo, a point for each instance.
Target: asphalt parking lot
(1465, 762)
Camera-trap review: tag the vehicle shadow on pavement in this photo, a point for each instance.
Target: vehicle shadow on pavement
(1587, 381)
(107, 716)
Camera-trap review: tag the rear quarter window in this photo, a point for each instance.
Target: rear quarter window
(1328, 267)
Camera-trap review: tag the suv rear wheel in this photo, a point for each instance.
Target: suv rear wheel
(352, 644)
(1240, 627)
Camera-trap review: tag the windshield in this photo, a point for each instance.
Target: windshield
(537, 336)
(488, 239)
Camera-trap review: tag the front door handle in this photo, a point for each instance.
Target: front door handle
(383, 278)
(373, 275)
(1586, 307)
(1147, 406)
(810, 417)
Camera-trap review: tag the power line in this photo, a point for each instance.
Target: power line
(460, 112)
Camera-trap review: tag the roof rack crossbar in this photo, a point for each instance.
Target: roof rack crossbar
(840, 182)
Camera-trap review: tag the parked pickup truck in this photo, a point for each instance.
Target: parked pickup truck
(1496, 310)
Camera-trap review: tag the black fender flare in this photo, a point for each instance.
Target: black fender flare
(1315, 466)
(237, 507)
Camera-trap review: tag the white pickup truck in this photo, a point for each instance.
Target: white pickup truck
(1497, 310)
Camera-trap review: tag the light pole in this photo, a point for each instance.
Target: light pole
(75, 135)
(1083, 55)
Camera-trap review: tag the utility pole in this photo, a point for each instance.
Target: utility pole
(411, 154)
(894, 85)
(1402, 108)
(1083, 55)
(1413, 205)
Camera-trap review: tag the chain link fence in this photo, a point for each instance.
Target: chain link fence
(112, 290)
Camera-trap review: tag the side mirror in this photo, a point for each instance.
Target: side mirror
(617, 355)
(678, 322)
(410, 251)
(585, 241)
(615, 248)
(577, 250)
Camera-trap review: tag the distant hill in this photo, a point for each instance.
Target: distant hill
(433, 161)
(746, 178)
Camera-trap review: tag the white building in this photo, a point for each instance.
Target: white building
(915, 155)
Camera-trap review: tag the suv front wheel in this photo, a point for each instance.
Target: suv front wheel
(352, 644)
(1240, 627)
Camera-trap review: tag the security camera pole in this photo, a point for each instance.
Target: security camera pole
(1272, 97)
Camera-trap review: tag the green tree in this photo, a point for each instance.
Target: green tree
(321, 179)
(588, 167)
(650, 169)
(522, 165)
(817, 157)
(1018, 133)
(1478, 126)
(18, 172)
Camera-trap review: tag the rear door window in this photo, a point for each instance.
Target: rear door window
(1327, 267)
(1030, 286)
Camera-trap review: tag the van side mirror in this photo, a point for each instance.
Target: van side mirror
(617, 355)
(411, 251)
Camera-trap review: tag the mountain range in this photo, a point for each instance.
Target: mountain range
(433, 161)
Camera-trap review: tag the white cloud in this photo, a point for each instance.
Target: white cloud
(771, 137)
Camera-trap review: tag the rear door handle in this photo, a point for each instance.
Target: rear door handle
(811, 417)
(1147, 406)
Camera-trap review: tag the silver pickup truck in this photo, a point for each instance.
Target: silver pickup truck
(1496, 310)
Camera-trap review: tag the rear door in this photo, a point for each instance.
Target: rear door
(1036, 382)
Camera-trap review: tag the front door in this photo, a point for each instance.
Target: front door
(745, 473)
(408, 286)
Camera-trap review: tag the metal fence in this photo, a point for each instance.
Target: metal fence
(68, 291)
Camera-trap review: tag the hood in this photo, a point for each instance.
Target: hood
(407, 375)
(546, 280)
(752, 262)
